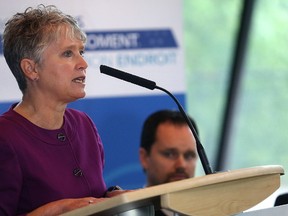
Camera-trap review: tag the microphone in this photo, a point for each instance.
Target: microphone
(152, 85)
(128, 77)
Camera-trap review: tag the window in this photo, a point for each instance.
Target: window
(259, 131)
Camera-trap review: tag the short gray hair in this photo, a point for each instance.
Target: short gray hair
(27, 34)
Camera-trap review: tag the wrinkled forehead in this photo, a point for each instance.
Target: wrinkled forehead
(64, 31)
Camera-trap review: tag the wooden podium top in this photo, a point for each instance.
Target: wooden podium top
(224, 193)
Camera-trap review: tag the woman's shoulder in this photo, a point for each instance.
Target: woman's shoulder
(76, 116)
(75, 113)
(9, 117)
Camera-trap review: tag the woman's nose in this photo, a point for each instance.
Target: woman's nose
(81, 63)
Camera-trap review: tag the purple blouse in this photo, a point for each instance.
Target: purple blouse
(38, 166)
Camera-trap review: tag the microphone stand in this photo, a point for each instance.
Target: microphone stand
(200, 149)
(152, 85)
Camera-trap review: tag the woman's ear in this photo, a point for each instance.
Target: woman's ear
(28, 67)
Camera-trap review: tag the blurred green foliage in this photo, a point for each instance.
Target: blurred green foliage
(259, 134)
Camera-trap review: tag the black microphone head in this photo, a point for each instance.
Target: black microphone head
(127, 77)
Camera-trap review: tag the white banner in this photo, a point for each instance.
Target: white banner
(143, 38)
(140, 37)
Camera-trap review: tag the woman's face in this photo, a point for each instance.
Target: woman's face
(62, 71)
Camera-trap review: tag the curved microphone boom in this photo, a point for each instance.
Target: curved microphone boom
(152, 85)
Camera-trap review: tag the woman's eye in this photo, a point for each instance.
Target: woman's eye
(82, 52)
(68, 53)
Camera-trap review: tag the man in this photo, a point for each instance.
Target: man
(168, 148)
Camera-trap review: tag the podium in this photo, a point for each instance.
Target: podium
(219, 194)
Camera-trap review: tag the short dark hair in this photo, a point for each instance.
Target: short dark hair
(151, 124)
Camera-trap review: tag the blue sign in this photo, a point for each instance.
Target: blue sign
(127, 40)
(130, 40)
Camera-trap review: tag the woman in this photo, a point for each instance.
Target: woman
(51, 157)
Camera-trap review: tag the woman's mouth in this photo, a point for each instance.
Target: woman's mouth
(79, 80)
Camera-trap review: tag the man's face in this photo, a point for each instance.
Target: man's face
(173, 155)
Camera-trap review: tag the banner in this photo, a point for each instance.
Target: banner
(143, 38)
